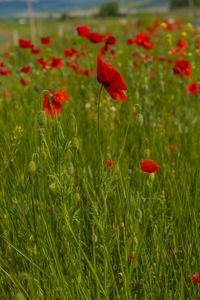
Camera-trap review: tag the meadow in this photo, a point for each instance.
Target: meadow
(81, 217)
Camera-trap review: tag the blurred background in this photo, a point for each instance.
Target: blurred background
(15, 15)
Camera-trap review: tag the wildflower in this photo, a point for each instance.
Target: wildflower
(5, 94)
(142, 39)
(182, 67)
(24, 43)
(25, 69)
(4, 72)
(52, 102)
(111, 80)
(149, 165)
(56, 62)
(24, 81)
(45, 40)
(95, 37)
(194, 277)
(83, 30)
(70, 52)
(193, 87)
(109, 163)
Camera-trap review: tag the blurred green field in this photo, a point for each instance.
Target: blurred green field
(72, 227)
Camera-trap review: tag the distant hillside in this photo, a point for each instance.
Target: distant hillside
(13, 7)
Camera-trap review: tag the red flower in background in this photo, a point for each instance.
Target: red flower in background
(24, 43)
(83, 30)
(109, 163)
(56, 62)
(181, 43)
(194, 277)
(52, 102)
(182, 67)
(149, 165)
(24, 81)
(193, 88)
(25, 69)
(34, 51)
(70, 52)
(95, 37)
(2, 63)
(111, 80)
(5, 94)
(42, 61)
(45, 40)
(4, 72)
(111, 40)
(142, 39)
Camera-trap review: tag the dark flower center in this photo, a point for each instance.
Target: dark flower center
(105, 83)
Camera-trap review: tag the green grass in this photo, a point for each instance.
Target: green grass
(68, 233)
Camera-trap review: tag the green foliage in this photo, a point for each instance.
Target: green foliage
(183, 3)
(109, 9)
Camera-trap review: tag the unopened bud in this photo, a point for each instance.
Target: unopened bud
(151, 177)
(53, 187)
(76, 197)
(19, 296)
(75, 143)
(32, 166)
(41, 118)
(139, 119)
(147, 153)
(70, 168)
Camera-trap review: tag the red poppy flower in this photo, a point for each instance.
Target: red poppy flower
(34, 51)
(70, 52)
(95, 37)
(42, 61)
(83, 30)
(5, 72)
(109, 163)
(7, 53)
(56, 62)
(45, 40)
(24, 43)
(111, 40)
(24, 81)
(182, 67)
(181, 43)
(193, 87)
(5, 94)
(149, 165)
(111, 80)
(2, 63)
(52, 102)
(25, 69)
(194, 277)
(171, 146)
(142, 39)
(72, 65)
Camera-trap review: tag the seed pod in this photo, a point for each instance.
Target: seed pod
(139, 119)
(70, 168)
(32, 166)
(19, 296)
(76, 197)
(53, 187)
(151, 177)
(147, 153)
(75, 143)
(41, 118)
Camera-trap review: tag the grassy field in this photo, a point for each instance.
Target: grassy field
(71, 226)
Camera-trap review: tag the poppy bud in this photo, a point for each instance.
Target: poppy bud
(70, 168)
(76, 197)
(53, 187)
(43, 155)
(32, 166)
(139, 119)
(19, 296)
(151, 177)
(41, 118)
(75, 143)
(147, 153)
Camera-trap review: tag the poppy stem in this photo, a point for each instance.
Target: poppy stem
(99, 100)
